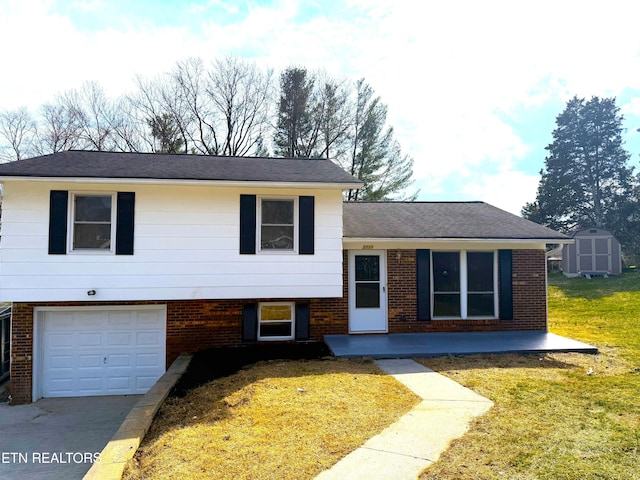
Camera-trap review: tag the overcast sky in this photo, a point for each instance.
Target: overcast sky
(473, 87)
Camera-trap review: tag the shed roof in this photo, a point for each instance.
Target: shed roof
(156, 166)
(439, 220)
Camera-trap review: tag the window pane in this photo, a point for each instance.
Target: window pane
(93, 208)
(367, 268)
(446, 305)
(446, 272)
(367, 295)
(275, 312)
(277, 238)
(277, 212)
(480, 305)
(276, 329)
(480, 271)
(91, 235)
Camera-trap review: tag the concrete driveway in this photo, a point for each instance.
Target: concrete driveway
(58, 438)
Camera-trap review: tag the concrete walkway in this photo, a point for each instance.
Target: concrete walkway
(414, 442)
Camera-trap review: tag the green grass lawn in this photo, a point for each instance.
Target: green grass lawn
(560, 416)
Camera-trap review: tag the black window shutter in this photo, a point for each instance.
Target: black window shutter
(247, 224)
(302, 321)
(505, 272)
(423, 284)
(125, 217)
(58, 205)
(306, 207)
(250, 322)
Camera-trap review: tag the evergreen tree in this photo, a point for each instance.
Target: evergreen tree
(586, 180)
(294, 124)
(165, 130)
(375, 156)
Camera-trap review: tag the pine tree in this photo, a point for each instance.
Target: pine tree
(586, 180)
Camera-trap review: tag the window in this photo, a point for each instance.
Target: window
(276, 321)
(480, 284)
(277, 224)
(92, 222)
(367, 281)
(464, 284)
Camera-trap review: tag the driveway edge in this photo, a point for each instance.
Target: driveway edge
(125, 442)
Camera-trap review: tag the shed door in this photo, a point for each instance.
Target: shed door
(101, 352)
(594, 254)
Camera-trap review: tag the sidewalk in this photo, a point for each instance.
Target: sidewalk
(414, 442)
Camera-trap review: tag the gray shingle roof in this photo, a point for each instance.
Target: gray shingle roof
(433, 220)
(91, 164)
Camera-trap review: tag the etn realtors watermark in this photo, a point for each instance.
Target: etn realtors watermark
(50, 457)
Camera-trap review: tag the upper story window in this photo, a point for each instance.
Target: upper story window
(277, 228)
(92, 222)
(277, 224)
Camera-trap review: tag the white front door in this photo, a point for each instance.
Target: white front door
(100, 351)
(367, 291)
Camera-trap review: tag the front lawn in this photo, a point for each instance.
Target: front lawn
(277, 419)
(560, 416)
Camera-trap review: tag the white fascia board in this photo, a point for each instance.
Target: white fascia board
(455, 243)
(203, 183)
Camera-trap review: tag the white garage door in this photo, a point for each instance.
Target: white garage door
(101, 352)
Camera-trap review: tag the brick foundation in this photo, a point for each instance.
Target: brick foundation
(194, 325)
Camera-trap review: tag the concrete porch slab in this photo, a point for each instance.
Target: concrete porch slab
(409, 345)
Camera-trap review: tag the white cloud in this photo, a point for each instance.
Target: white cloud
(508, 190)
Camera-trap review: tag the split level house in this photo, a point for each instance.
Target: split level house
(115, 263)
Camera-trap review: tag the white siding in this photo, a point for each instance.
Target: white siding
(186, 246)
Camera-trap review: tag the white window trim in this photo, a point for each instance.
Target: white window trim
(276, 251)
(292, 305)
(464, 286)
(71, 224)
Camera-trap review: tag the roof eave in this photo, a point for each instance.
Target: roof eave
(475, 240)
(171, 181)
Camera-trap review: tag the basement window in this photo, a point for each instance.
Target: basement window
(276, 321)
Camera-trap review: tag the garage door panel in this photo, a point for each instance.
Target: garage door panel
(149, 360)
(144, 383)
(102, 352)
(121, 360)
(60, 340)
(147, 339)
(89, 339)
(120, 339)
(89, 361)
(119, 383)
(61, 361)
(148, 320)
(118, 319)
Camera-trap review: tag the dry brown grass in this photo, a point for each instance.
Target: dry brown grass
(280, 420)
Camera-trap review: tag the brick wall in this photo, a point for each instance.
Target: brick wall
(529, 296)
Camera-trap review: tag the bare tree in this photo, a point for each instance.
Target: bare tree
(97, 115)
(60, 128)
(17, 128)
(241, 96)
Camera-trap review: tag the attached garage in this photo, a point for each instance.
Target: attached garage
(87, 351)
